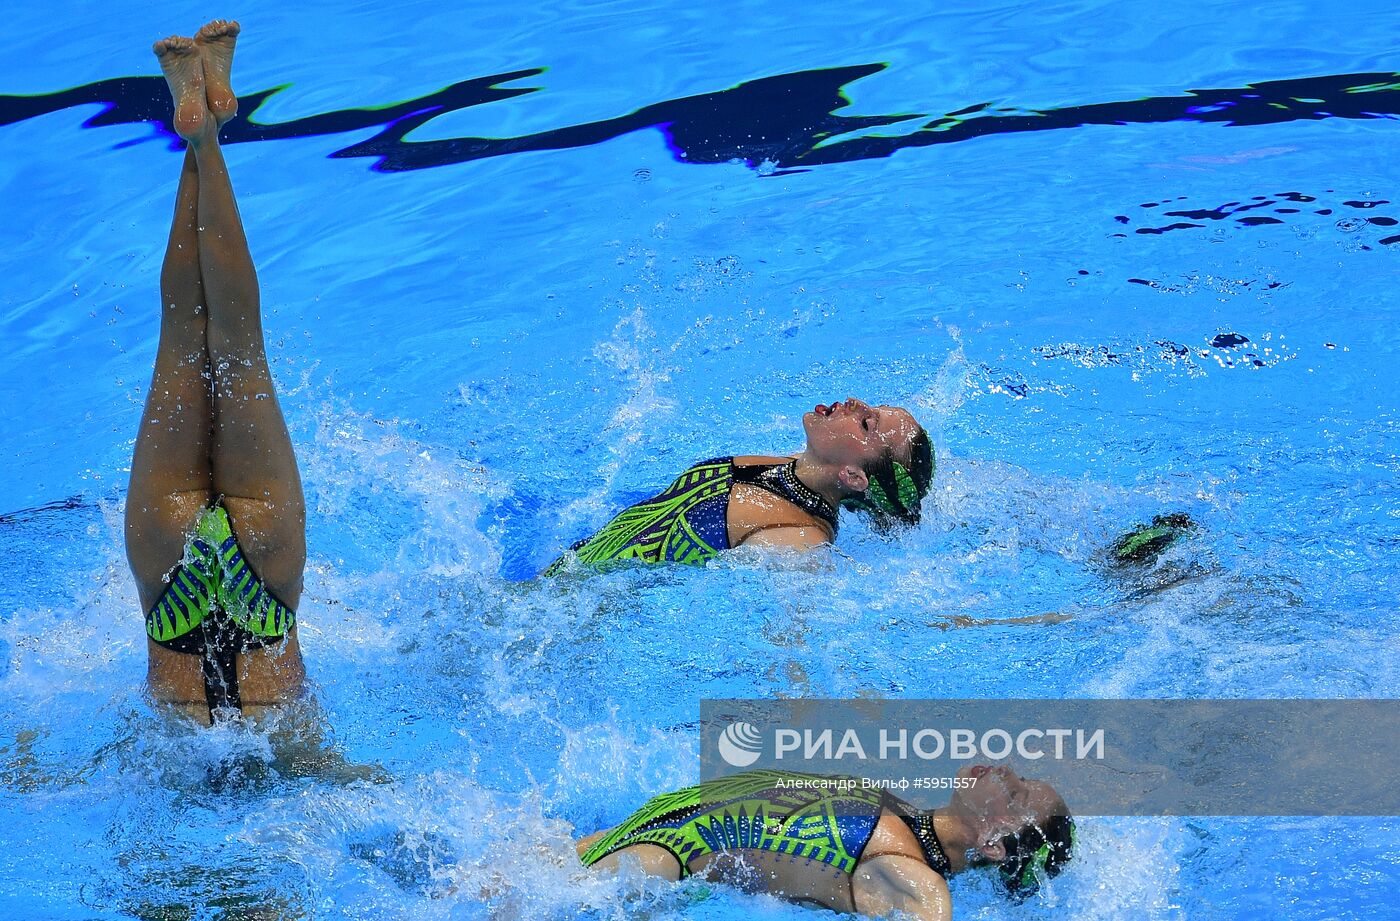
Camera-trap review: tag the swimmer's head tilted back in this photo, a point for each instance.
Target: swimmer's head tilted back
(1022, 827)
(884, 455)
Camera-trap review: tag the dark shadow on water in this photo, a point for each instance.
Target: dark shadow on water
(774, 124)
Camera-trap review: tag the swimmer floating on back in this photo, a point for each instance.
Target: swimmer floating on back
(215, 522)
(832, 842)
(875, 458)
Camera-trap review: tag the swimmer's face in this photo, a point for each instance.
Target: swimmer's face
(1001, 802)
(854, 434)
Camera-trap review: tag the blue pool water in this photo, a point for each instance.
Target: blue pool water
(496, 316)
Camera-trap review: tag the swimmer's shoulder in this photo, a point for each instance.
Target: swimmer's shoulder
(892, 836)
(893, 874)
(757, 517)
(761, 460)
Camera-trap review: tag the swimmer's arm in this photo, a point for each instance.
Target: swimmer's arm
(964, 620)
(893, 882)
(792, 537)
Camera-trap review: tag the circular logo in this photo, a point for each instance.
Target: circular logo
(740, 744)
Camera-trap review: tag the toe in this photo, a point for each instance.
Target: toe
(219, 28)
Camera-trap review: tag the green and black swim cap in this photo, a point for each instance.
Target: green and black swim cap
(1145, 542)
(1035, 854)
(896, 490)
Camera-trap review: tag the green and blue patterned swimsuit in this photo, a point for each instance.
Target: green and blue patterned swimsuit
(216, 607)
(824, 819)
(688, 522)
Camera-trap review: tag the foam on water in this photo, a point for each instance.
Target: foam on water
(481, 362)
(502, 712)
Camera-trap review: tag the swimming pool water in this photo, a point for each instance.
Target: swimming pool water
(495, 317)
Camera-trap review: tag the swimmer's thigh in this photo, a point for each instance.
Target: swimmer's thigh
(654, 859)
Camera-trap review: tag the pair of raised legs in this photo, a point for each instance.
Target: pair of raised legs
(212, 430)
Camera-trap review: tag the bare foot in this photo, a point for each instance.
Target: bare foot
(183, 71)
(215, 40)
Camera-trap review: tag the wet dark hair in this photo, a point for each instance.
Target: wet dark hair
(1036, 853)
(896, 490)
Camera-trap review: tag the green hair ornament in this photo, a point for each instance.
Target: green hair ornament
(906, 492)
(1026, 880)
